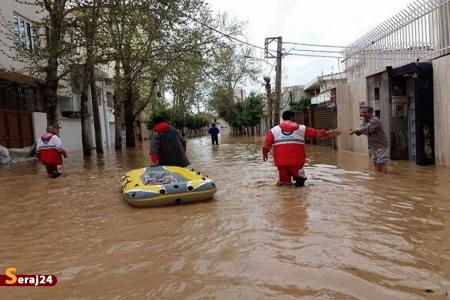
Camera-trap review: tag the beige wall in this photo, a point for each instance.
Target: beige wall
(7, 10)
(441, 87)
(70, 134)
(348, 96)
(39, 124)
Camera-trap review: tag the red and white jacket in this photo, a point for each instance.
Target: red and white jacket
(49, 149)
(288, 141)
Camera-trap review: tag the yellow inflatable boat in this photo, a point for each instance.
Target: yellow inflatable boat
(158, 186)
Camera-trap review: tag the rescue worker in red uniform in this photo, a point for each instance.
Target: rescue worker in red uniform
(49, 150)
(288, 141)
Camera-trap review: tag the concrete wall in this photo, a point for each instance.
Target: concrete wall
(441, 86)
(70, 134)
(39, 124)
(348, 96)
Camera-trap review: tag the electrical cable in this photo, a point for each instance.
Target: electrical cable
(214, 29)
(313, 45)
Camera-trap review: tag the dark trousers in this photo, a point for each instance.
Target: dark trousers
(54, 170)
(215, 139)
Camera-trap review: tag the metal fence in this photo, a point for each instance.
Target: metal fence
(14, 96)
(419, 32)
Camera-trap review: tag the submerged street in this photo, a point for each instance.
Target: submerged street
(348, 234)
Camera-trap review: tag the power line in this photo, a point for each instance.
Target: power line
(259, 47)
(311, 50)
(257, 58)
(314, 45)
(312, 55)
(213, 29)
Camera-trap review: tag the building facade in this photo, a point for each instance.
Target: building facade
(22, 107)
(401, 68)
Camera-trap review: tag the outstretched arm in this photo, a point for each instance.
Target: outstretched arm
(368, 128)
(313, 133)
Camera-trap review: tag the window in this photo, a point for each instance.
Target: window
(377, 93)
(25, 32)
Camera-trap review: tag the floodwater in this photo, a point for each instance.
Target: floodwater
(348, 234)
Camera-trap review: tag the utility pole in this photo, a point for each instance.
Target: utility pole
(269, 100)
(277, 97)
(278, 84)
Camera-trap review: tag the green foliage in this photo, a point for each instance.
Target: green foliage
(300, 105)
(246, 113)
(223, 103)
(190, 121)
(252, 111)
(163, 112)
(153, 46)
(195, 122)
(229, 67)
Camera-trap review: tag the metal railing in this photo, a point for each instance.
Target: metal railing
(419, 32)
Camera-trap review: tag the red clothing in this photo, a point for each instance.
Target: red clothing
(288, 141)
(49, 149)
(286, 173)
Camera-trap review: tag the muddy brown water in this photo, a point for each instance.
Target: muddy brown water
(348, 234)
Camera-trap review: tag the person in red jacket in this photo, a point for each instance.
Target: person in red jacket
(288, 141)
(167, 147)
(50, 150)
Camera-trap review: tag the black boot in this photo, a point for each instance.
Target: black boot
(54, 174)
(299, 181)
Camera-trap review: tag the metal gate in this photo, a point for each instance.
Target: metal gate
(16, 129)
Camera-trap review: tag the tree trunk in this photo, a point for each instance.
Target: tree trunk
(96, 114)
(56, 18)
(51, 100)
(85, 122)
(118, 126)
(90, 65)
(129, 118)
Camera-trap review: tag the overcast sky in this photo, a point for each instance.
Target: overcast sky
(330, 22)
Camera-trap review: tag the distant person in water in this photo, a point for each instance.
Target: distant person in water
(214, 132)
(49, 150)
(167, 147)
(288, 141)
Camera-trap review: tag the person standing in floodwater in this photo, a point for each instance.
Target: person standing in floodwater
(214, 132)
(167, 147)
(50, 150)
(377, 138)
(288, 141)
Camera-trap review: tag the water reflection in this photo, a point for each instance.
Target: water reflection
(349, 233)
